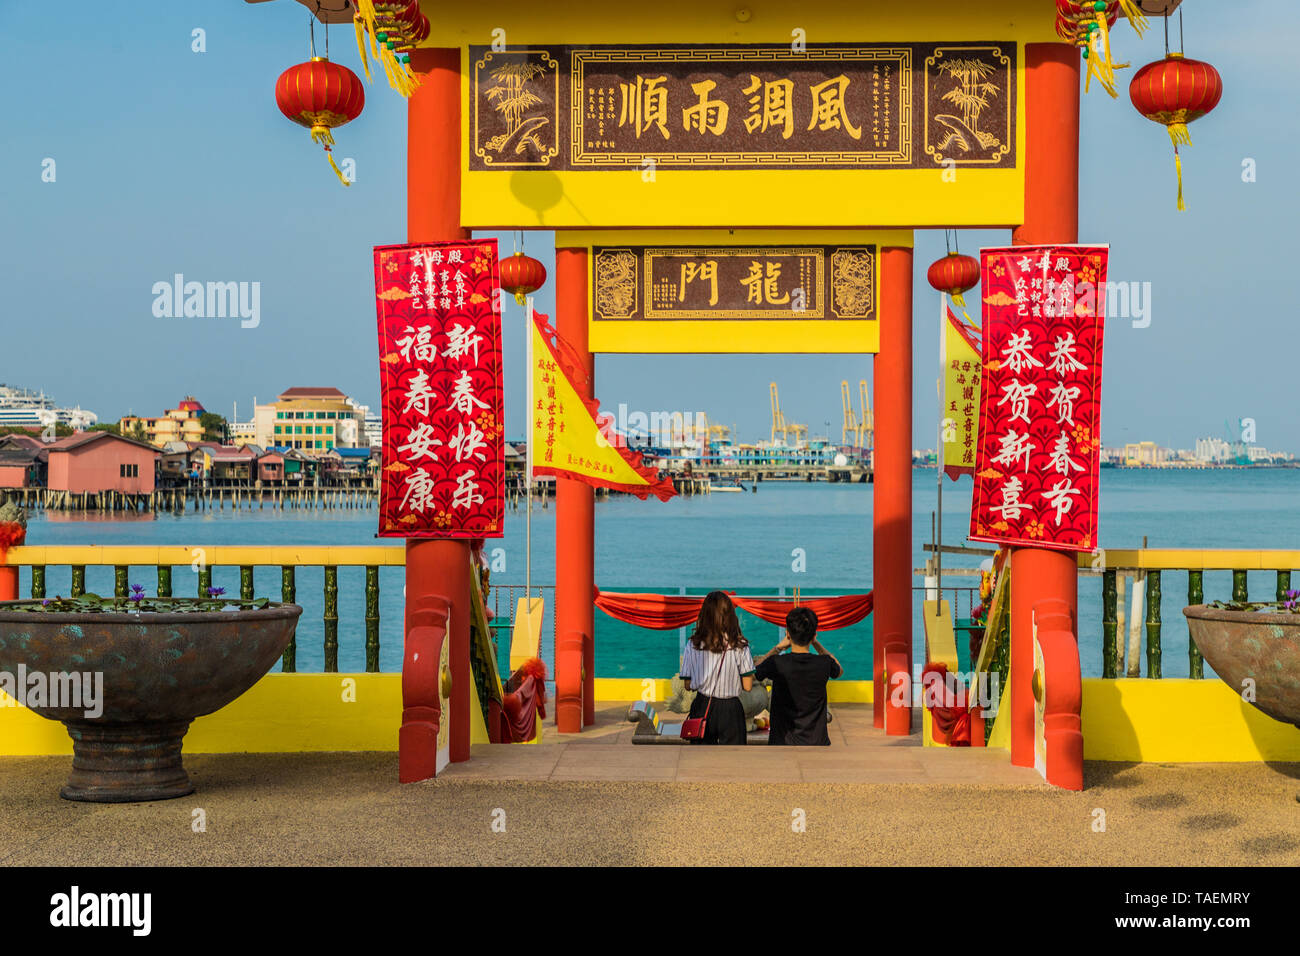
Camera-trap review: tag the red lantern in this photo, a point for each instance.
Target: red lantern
(1174, 92)
(521, 274)
(320, 95)
(954, 274)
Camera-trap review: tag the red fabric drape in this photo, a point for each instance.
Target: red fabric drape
(12, 534)
(520, 710)
(660, 612)
(832, 613)
(954, 722)
(663, 612)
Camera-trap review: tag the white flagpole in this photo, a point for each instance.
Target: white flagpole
(528, 467)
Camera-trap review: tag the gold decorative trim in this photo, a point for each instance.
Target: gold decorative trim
(853, 283)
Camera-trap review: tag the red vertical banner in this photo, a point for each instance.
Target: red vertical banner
(1039, 445)
(443, 473)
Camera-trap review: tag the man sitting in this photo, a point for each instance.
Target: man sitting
(798, 679)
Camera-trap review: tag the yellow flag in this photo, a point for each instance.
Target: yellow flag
(565, 439)
(961, 396)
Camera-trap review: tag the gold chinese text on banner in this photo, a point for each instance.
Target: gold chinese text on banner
(961, 395)
(745, 134)
(827, 106)
(568, 438)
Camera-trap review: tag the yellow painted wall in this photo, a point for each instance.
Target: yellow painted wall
(1170, 721)
(1164, 721)
(1175, 721)
(716, 21)
(281, 713)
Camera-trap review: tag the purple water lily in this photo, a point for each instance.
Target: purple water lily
(137, 594)
(216, 592)
(1292, 602)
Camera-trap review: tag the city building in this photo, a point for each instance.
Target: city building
(1212, 450)
(19, 467)
(26, 408)
(1144, 454)
(91, 462)
(234, 466)
(310, 420)
(182, 423)
(374, 430)
(243, 433)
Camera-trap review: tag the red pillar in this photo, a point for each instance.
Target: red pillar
(892, 495)
(433, 213)
(8, 584)
(575, 543)
(1051, 215)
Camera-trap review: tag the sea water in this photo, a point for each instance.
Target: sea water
(808, 535)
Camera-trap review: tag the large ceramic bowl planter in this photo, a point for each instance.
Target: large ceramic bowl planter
(1256, 642)
(160, 668)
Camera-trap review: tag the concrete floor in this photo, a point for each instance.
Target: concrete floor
(597, 799)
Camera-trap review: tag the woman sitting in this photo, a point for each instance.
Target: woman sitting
(718, 665)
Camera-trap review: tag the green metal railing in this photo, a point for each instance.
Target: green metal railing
(1148, 568)
(245, 559)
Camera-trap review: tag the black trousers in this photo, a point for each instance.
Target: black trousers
(726, 724)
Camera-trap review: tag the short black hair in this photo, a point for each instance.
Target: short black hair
(801, 626)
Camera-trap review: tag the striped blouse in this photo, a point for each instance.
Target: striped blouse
(708, 678)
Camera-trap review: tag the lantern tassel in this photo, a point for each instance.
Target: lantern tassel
(360, 26)
(1180, 134)
(1178, 164)
(1136, 18)
(334, 166)
(1100, 62)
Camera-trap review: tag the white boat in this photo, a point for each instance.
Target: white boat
(23, 407)
(729, 486)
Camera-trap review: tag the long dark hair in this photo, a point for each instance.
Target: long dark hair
(717, 629)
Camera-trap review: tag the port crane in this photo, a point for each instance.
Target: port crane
(852, 433)
(714, 432)
(866, 422)
(780, 426)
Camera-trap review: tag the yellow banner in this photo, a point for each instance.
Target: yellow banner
(961, 395)
(566, 440)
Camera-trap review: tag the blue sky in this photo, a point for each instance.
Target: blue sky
(169, 161)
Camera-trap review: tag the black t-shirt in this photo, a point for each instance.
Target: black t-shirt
(798, 697)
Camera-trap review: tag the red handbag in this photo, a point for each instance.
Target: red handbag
(693, 728)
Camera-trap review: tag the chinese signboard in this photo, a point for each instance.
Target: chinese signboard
(754, 282)
(825, 106)
(700, 291)
(443, 473)
(1036, 471)
(961, 394)
(824, 135)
